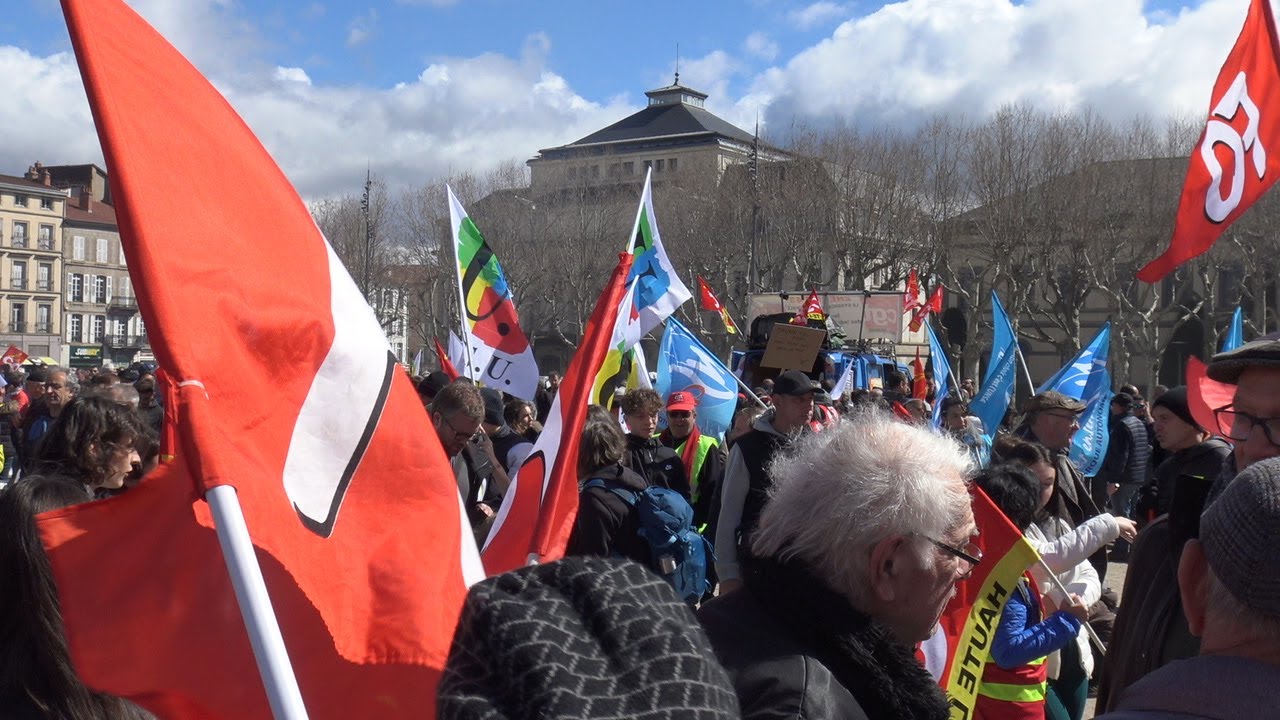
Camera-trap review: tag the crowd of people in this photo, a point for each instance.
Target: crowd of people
(838, 542)
(793, 567)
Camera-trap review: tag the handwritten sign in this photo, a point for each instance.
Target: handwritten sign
(793, 347)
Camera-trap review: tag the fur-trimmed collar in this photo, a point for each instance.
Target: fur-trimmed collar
(881, 672)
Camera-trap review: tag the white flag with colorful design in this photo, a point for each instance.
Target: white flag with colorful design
(659, 290)
(499, 355)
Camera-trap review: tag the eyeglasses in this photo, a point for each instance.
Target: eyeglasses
(679, 414)
(1074, 418)
(1239, 426)
(459, 434)
(971, 554)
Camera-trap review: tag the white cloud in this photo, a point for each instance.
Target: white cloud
(759, 44)
(819, 13)
(292, 74)
(918, 57)
(360, 29)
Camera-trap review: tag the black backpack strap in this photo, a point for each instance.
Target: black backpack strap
(629, 497)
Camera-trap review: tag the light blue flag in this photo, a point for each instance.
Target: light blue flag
(684, 363)
(998, 384)
(1085, 378)
(941, 373)
(1235, 333)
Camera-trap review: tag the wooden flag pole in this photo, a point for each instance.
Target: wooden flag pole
(255, 605)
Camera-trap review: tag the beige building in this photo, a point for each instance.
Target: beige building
(31, 226)
(102, 320)
(674, 134)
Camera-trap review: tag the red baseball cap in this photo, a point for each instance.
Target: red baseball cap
(681, 400)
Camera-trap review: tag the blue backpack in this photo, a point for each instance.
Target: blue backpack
(677, 552)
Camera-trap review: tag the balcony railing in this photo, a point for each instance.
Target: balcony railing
(124, 301)
(18, 241)
(45, 285)
(124, 341)
(17, 283)
(46, 244)
(17, 327)
(44, 328)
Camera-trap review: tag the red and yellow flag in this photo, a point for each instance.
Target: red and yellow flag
(711, 302)
(963, 641)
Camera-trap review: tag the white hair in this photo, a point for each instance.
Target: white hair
(839, 492)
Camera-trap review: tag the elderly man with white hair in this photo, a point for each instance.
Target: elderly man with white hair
(857, 552)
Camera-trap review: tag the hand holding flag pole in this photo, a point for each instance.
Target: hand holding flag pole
(1057, 583)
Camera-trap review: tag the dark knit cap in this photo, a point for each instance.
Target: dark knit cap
(492, 405)
(1175, 401)
(1240, 532)
(583, 637)
(432, 384)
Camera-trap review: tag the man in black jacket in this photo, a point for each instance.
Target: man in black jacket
(1194, 456)
(827, 622)
(1127, 464)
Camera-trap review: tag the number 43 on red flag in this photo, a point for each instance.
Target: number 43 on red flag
(1230, 166)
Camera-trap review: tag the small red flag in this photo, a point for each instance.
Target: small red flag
(446, 365)
(934, 305)
(919, 383)
(541, 504)
(14, 356)
(810, 310)
(711, 302)
(1238, 155)
(911, 298)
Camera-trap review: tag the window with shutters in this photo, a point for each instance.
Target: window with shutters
(99, 288)
(99, 328)
(77, 247)
(75, 324)
(75, 287)
(44, 277)
(101, 254)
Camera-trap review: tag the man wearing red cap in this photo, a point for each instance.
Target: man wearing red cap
(701, 455)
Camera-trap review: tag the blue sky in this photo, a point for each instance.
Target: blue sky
(421, 88)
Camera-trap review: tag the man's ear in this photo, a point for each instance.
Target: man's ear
(884, 567)
(1193, 585)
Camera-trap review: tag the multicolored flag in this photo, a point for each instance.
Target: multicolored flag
(499, 355)
(288, 393)
(1087, 379)
(957, 653)
(416, 368)
(1235, 160)
(446, 365)
(1235, 331)
(659, 290)
(684, 363)
(922, 312)
(618, 367)
(541, 505)
(712, 303)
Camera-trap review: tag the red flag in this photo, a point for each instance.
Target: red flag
(446, 365)
(1236, 158)
(919, 383)
(911, 299)
(962, 644)
(810, 310)
(167, 389)
(14, 356)
(711, 302)
(934, 305)
(540, 506)
(289, 393)
(1205, 395)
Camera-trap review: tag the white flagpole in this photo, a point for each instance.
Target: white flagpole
(255, 605)
(635, 227)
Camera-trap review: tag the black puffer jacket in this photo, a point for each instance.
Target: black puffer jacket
(659, 465)
(1128, 457)
(606, 525)
(1200, 461)
(796, 649)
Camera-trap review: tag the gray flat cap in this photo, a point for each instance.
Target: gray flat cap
(1262, 352)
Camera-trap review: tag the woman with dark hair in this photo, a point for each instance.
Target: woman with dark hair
(94, 440)
(1015, 674)
(36, 677)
